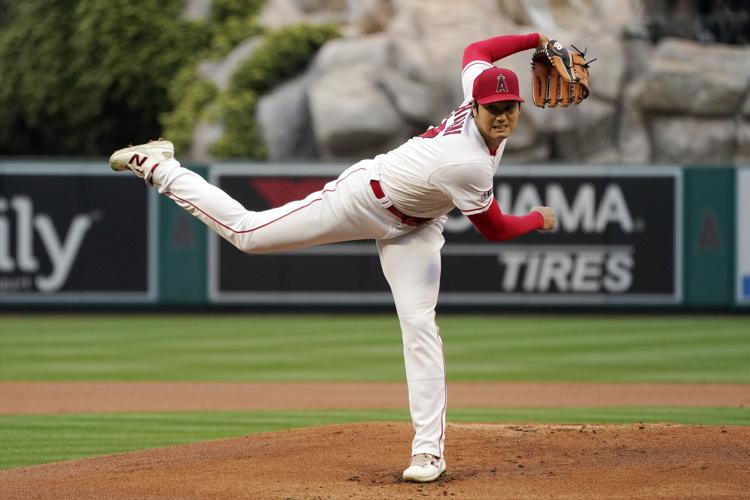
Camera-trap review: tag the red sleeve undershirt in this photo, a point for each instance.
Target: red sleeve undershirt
(493, 224)
(494, 49)
(497, 226)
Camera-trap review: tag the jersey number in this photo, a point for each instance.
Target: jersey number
(459, 117)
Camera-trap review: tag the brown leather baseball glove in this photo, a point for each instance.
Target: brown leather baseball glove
(559, 76)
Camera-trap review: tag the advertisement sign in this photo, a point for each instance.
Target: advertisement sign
(618, 241)
(743, 236)
(70, 232)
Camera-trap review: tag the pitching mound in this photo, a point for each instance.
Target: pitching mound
(366, 460)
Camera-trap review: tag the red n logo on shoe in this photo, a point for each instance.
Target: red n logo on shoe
(138, 160)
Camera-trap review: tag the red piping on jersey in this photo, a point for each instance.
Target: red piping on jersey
(496, 226)
(267, 223)
(482, 208)
(445, 395)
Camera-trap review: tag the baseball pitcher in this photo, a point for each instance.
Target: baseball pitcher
(399, 199)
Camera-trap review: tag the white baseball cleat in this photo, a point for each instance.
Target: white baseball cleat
(142, 159)
(424, 468)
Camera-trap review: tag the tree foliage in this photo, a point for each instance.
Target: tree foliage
(82, 77)
(85, 77)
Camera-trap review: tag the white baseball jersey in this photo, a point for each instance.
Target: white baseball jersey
(448, 166)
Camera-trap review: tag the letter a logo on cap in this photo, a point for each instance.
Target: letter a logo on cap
(501, 87)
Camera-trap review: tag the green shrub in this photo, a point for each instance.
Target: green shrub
(283, 54)
(192, 97)
(231, 32)
(221, 10)
(241, 137)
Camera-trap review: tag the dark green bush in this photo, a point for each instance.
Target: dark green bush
(82, 77)
(35, 76)
(5, 11)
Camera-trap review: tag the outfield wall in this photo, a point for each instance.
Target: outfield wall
(75, 233)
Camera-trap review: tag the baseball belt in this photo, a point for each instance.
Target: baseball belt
(388, 205)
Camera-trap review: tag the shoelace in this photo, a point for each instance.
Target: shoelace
(424, 459)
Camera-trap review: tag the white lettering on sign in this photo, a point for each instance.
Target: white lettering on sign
(584, 271)
(62, 252)
(584, 212)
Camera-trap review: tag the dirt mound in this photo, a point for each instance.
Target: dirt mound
(366, 460)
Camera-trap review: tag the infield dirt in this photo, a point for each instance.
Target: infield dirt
(97, 397)
(365, 461)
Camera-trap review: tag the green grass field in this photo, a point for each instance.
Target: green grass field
(347, 348)
(368, 347)
(36, 439)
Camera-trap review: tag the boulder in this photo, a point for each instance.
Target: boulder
(711, 57)
(686, 77)
(370, 16)
(638, 54)
(546, 120)
(684, 87)
(404, 56)
(352, 117)
(426, 45)
(609, 156)
(220, 72)
(205, 134)
(689, 140)
(592, 133)
(285, 121)
(612, 16)
(343, 52)
(608, 71)
(413, 100)
(539, 152)
(279, 13)
(742, 156)
(552, 17)
(526, 134)
(323, 11)
(633, 143)
(320, 6)
(514, 10)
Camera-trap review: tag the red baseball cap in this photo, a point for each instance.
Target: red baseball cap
(496, 84)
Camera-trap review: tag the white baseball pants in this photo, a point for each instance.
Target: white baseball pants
(346, 209)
